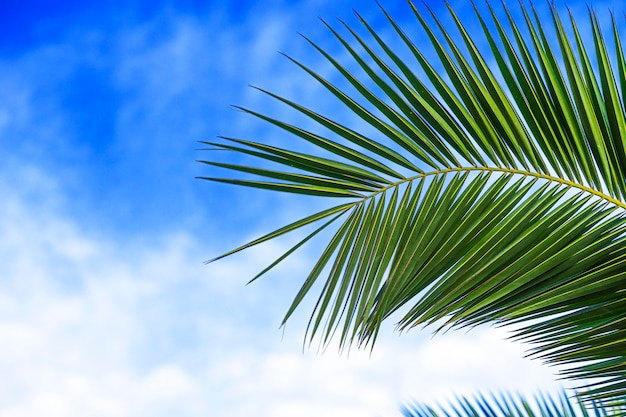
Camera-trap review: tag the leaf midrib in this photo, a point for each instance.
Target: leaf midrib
(513, 171)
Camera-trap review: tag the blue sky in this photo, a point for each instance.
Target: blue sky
(106, 308)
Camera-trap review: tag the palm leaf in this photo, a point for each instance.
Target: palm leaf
(512, 406)
(490, 191)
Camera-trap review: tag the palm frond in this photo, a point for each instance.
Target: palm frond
(513, 406)
(492, 189)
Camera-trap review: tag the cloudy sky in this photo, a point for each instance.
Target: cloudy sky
(106, 307)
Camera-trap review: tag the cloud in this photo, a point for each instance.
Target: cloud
(98, 325)
(430, 371)
(68, 318)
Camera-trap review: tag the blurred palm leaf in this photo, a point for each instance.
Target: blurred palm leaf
(492, 191)
(509, 406)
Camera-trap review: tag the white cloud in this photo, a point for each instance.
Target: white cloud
(71, 313)
(274, 384)
(99, 326)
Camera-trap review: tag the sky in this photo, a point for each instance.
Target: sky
(106, 306)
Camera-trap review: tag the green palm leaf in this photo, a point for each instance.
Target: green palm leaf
(491, 191)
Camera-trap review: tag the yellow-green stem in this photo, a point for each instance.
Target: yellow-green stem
(571, 184)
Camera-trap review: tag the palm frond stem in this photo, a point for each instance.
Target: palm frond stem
(504, 170)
